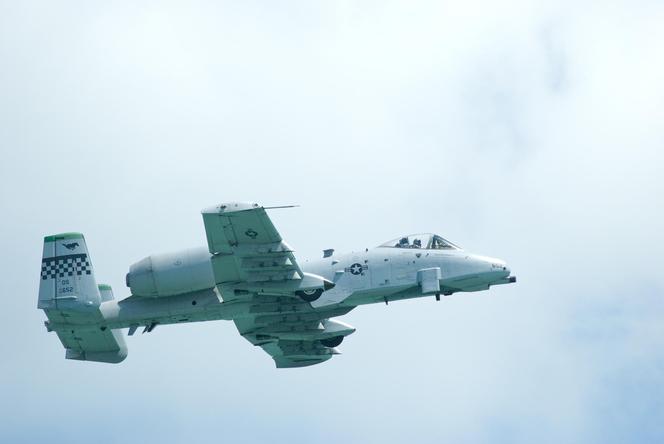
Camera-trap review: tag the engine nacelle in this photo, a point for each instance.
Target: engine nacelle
(170, 274)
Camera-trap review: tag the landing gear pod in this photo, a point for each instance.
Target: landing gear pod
(310, 295)
(332, 342)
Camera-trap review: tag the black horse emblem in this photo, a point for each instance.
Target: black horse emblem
(71, 246)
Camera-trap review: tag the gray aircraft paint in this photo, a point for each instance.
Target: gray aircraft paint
(187, 286)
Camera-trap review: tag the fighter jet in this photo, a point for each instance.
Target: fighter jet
(249, 275)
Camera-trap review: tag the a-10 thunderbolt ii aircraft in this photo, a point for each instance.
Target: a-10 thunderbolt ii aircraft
(249, 275)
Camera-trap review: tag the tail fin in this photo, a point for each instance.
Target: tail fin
(70, 297)
(67, 278)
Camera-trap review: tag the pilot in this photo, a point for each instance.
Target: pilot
(403, 243)
(417, 243)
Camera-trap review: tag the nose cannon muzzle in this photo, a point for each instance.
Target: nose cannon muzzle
(504, 272)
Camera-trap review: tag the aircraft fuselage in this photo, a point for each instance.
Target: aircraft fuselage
(377, 275)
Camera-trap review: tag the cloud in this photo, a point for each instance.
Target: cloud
(529, 131)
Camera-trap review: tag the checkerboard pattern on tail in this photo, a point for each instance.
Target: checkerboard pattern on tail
(67, 275)
(61, 266)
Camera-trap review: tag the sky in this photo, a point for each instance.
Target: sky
(529, 131)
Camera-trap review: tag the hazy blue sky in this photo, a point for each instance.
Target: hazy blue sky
(530, 131)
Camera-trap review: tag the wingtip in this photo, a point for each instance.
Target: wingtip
(230, 207)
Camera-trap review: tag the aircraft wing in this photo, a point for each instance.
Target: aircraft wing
(291, 331)
(255, 270)
(249, 255)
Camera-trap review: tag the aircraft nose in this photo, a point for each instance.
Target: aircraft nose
(498, 271)
(499, 265)
(493, 266)
(501, 272)
(507, 273)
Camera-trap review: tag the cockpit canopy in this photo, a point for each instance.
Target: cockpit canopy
(424, 241)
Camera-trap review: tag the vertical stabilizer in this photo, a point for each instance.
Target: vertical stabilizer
(67, 277)
(70, 297)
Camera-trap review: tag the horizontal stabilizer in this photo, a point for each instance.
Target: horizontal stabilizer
(93, 344)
